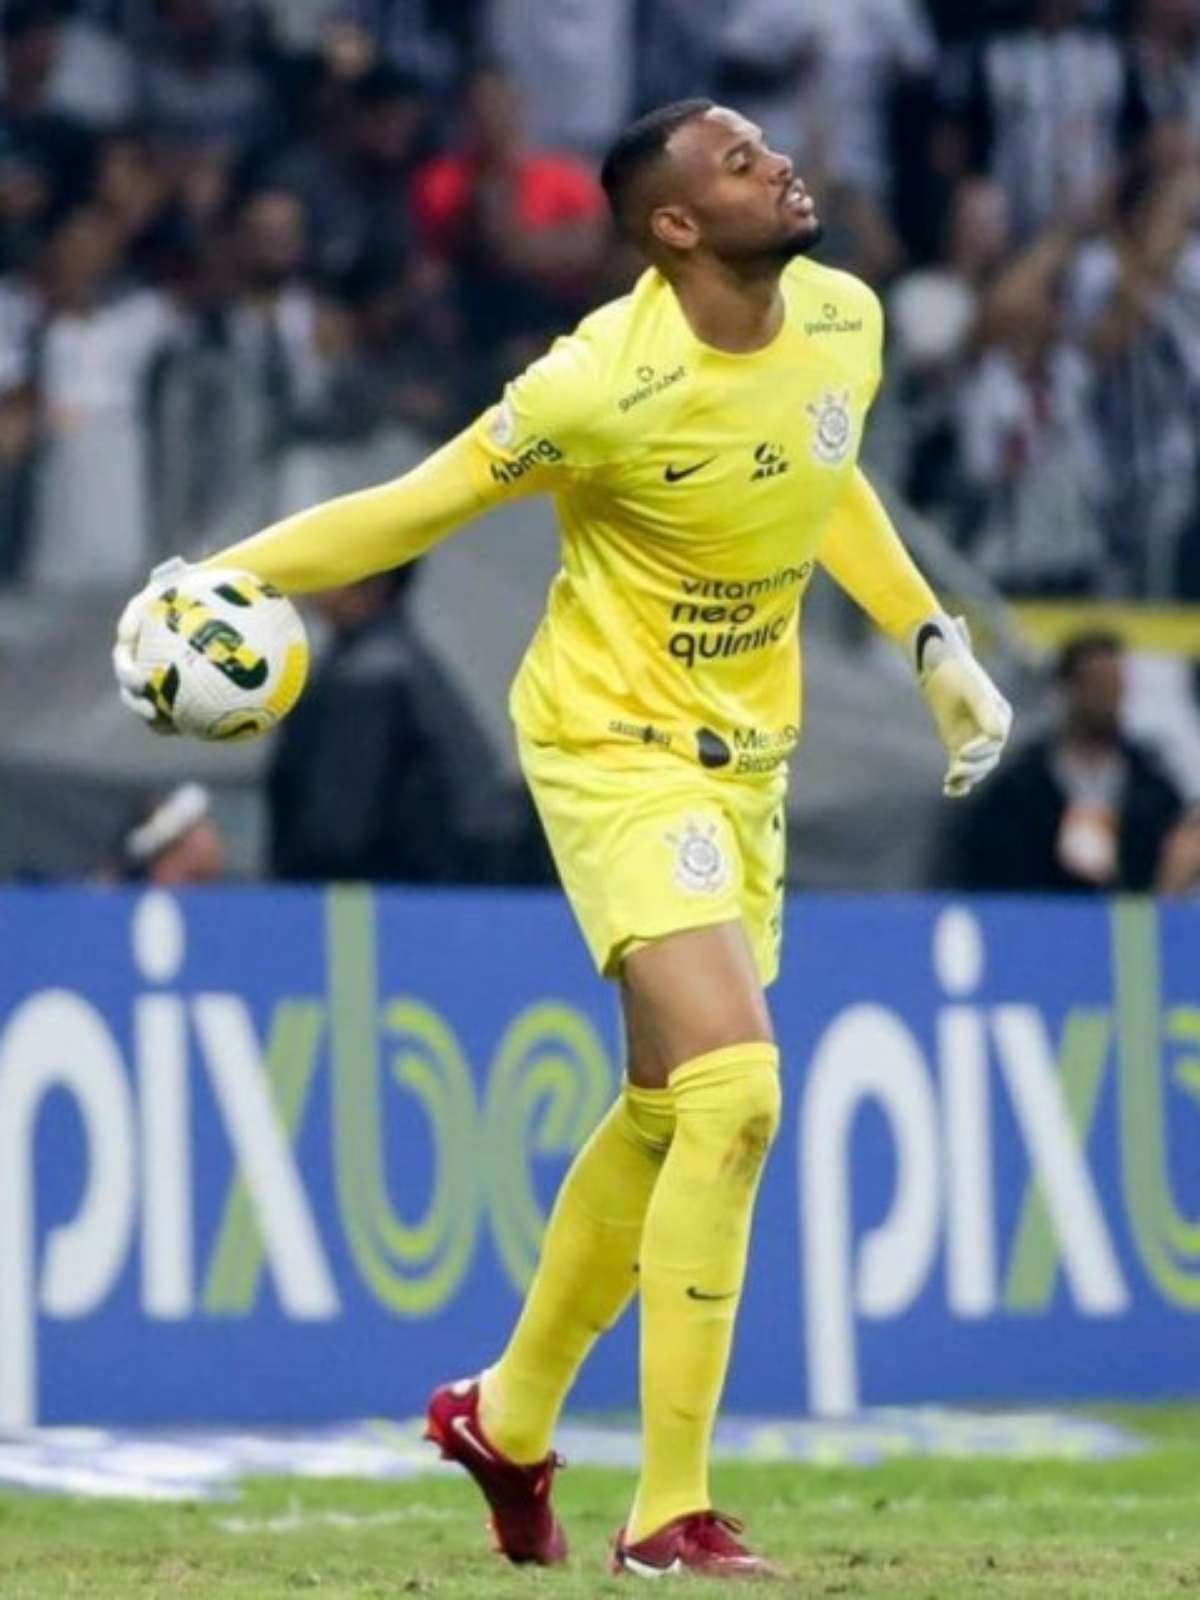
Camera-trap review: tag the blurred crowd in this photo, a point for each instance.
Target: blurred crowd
(240, 233)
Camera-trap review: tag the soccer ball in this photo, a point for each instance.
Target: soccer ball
(226, 654)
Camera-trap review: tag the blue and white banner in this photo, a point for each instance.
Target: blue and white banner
(273, 1155)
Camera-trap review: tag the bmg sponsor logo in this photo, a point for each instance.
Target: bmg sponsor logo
(528, 455)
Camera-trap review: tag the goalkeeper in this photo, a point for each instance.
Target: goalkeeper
(700, 437)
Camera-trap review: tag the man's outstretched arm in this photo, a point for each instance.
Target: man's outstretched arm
(371, 530)
(337, 542)
(864, 555)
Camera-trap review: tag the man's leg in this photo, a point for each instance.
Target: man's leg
(698, 1023)
(500, 1428)
(586, 1274)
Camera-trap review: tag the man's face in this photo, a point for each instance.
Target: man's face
(198, 857)
(273, 238)
(1095, 694)
(731, 196)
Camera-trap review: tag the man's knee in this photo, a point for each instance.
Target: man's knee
(732, 1100)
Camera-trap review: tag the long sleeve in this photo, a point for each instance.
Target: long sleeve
(863, 554)
(374, 529)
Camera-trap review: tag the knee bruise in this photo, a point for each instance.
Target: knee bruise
(736, 1098)
(757, 1120)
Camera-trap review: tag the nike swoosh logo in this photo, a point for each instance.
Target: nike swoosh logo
(677, 474)
(463, 1429)
(643, 1569)
(699, 1294)
(927, 635)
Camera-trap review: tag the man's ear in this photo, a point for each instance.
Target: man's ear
(675, 227)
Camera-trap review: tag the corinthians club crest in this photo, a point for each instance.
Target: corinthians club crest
(833, 433)
(701, 865)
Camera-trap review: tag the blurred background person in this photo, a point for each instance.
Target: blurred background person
(294, 349)
(382, 772)
(88, 359)
(573, 64)
(1032, 462)
(822, 79)
(1084, 808)
(1133, 303)
(1164, 54)
(1044, 110)
(173, 839)
(523, 229)
(361, 142)
(1179, 859)
(45, 154)
(198, 89)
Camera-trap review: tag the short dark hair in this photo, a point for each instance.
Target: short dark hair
(1077, 649)
(636, 149)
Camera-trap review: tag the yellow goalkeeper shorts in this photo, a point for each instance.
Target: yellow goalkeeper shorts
(648, 844)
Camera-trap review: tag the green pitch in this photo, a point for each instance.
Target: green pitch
(919, 1529)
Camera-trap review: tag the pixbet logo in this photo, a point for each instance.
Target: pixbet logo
(136, 1188)
(943, 1126)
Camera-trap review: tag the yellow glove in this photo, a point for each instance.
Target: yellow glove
(972, 717)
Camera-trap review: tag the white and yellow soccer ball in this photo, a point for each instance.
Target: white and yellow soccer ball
(220, 654)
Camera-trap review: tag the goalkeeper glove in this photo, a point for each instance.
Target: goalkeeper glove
(972, 717)
(134, 682)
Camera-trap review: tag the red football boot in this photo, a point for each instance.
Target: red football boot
(702, 1543)
(522, 1521)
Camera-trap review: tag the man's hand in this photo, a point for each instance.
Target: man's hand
(135, 683)
(973, 718)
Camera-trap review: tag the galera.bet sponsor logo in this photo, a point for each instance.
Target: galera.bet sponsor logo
(830, 321)
(650, 383)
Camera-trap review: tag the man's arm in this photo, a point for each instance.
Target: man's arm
(371, 530)
(338, 542)
(864, 556)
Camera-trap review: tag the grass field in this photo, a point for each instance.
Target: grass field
(918, 1529)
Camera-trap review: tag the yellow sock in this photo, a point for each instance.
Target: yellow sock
(694, 1248)
(586, 1275)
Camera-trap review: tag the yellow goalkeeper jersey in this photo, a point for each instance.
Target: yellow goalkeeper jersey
(694, 489)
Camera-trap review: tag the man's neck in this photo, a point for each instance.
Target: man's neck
(737, 313)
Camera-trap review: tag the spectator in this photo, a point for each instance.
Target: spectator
(818, 77)
(1132, 298)
(679, 50)
(933, 314)
(428, 39)
(133, 189)
(45, 157)
(88, 363)
(573, 64)
(294, 347)
(354, 171)
(1165, 52)
(381, 772)
(1044, 111)
(1030, 454)
(91, 78)
(198, 90)
(1083, 809)
(174, 841)
(1179, 860)
(524, 228)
